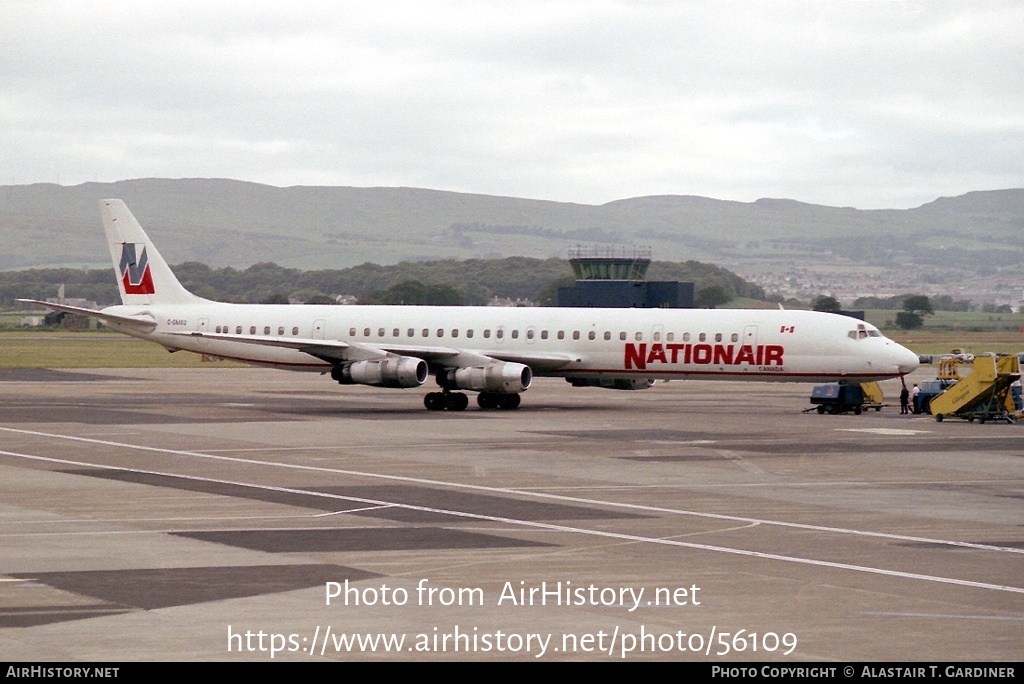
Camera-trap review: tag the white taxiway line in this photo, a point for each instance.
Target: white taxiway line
(525, 492)
(513, 521)
(545, 526)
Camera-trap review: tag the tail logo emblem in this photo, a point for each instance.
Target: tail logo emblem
(135, 272)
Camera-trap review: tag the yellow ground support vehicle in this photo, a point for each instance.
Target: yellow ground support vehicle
(984, 394)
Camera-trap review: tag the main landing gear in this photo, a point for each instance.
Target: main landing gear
(490, 400)
(439, 401)
(457, 401)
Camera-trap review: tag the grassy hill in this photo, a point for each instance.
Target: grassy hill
(233, 223)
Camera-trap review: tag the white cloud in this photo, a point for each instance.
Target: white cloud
(871, 104)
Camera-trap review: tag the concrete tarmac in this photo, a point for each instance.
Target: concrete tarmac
(247, 514)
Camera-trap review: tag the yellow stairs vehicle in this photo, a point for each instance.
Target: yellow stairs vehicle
(873, 397)
(983, 394)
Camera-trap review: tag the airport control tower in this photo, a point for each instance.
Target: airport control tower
(615, 277)
(610, 263)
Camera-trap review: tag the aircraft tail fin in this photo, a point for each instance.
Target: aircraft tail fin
(143, 276)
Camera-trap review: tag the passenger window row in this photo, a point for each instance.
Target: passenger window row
(499, 333)
(529, 334)
(226, 329)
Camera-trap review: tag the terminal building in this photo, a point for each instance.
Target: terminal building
(616, 278)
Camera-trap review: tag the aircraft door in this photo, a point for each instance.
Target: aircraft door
(204, 327)
(749, 340)
(750, 336)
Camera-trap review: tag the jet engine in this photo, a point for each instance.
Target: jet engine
(500, 377)
(392, 371)
(612, 383)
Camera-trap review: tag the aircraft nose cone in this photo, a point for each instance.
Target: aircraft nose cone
(906, 360)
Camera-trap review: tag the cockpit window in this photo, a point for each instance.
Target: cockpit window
(863, 332)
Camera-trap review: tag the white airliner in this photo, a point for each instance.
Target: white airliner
(495, 351)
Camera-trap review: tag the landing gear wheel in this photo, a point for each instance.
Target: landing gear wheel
(491, 400)
(434, 401)
(456, 401)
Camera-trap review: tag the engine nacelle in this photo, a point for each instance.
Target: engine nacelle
(612, 383)
(500, 377)
(392, 371)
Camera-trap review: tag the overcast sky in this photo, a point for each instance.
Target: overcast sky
(865, 103)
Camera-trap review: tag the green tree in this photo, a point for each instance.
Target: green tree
(828, 304)
(441, 294)
(915, 308)
(908, 320)
(947, 303)
(918, 304)
(416, 293)
(476, 294)
(310, 296)
(711, 297)
(549, 295)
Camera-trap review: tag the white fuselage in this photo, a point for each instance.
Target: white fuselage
(731, 344)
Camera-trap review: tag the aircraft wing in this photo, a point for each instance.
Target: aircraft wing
(332, 351)
(335, 351)
(144, 324)
(539, 363)
(456, 357)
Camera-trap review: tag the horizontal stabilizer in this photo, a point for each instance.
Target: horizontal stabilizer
(141, 323)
